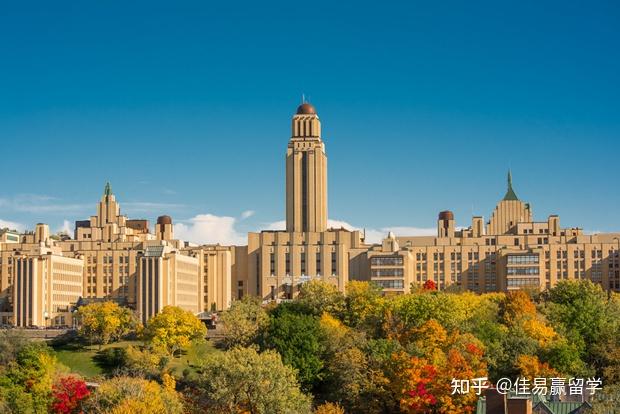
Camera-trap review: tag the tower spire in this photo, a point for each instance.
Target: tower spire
(510, 193)
(107, 191)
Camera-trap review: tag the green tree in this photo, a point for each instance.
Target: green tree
(582, 310)
(296, 337)
(173, 329)
(243, 381)
(319, 296)
(244, 322)
(26, 380)
(104, 322)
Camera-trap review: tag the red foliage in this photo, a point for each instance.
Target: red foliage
(420, 396)
(67, 395)
(430, 285)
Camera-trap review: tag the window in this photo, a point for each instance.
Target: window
(522, 259)
(511, 271)
(519, 283)
(390, 284)
(272, 263)
(318, 263)
(386, 261)
(288, 263)
(386, 272)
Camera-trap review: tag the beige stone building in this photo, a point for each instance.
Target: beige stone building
(123, 260)
(120, 259)
(279, 262)
(42, 283)
(512, 251)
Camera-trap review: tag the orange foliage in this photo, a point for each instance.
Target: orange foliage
(517, 305)
(426, 382)
(530, 367)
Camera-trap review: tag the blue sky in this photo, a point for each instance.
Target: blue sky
(424, 105)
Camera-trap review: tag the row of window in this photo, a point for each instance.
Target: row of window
(391, 284)
(523, 282)
(287, 263)
(387, 261)
(523, 259)
(387, 272)
(522, 271)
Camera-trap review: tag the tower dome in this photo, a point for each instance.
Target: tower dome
(164, 220)
(306, 109)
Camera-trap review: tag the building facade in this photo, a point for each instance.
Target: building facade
(512, 251)
(123, 260)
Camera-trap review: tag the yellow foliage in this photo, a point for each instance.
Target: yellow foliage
(168, 381)
(329, 408)
(105, 321)
(540, 331)
(126, 395)
(530, 367)
(174, 329)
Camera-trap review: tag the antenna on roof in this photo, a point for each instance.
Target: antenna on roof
(303, 98)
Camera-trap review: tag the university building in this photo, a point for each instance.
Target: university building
(43, 276)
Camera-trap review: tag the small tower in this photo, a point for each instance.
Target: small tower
(163, 228)
(41, 233)
(445, 224)
(509, 212)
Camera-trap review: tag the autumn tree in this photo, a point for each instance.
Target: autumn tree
(517, 305)
(104, 322)
(68, 394)
(243, 322)
(243, 381)
(131, 395)
(318, 296)
(26, 378)
(173, 329)
(329, 408)
(429, 285)
(438, 357)
(363, 304)
(530, 367)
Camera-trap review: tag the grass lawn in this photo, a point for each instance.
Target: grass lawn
(194, 354)
(82, 359)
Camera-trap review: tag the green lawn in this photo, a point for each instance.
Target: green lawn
(82, 359)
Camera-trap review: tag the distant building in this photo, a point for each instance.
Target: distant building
(125, 260)
(496, 403)
(511, 252)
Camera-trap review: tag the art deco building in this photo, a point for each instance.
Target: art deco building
(279, 262)
(511, 252)
(121, 259)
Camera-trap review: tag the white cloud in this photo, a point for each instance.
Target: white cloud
(210, 229)
(11, 225)
(36, 203)
(247, 214)
(66, 228)
(276, 225)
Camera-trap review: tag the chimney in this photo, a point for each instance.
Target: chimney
(519, 406)
(495, 402)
